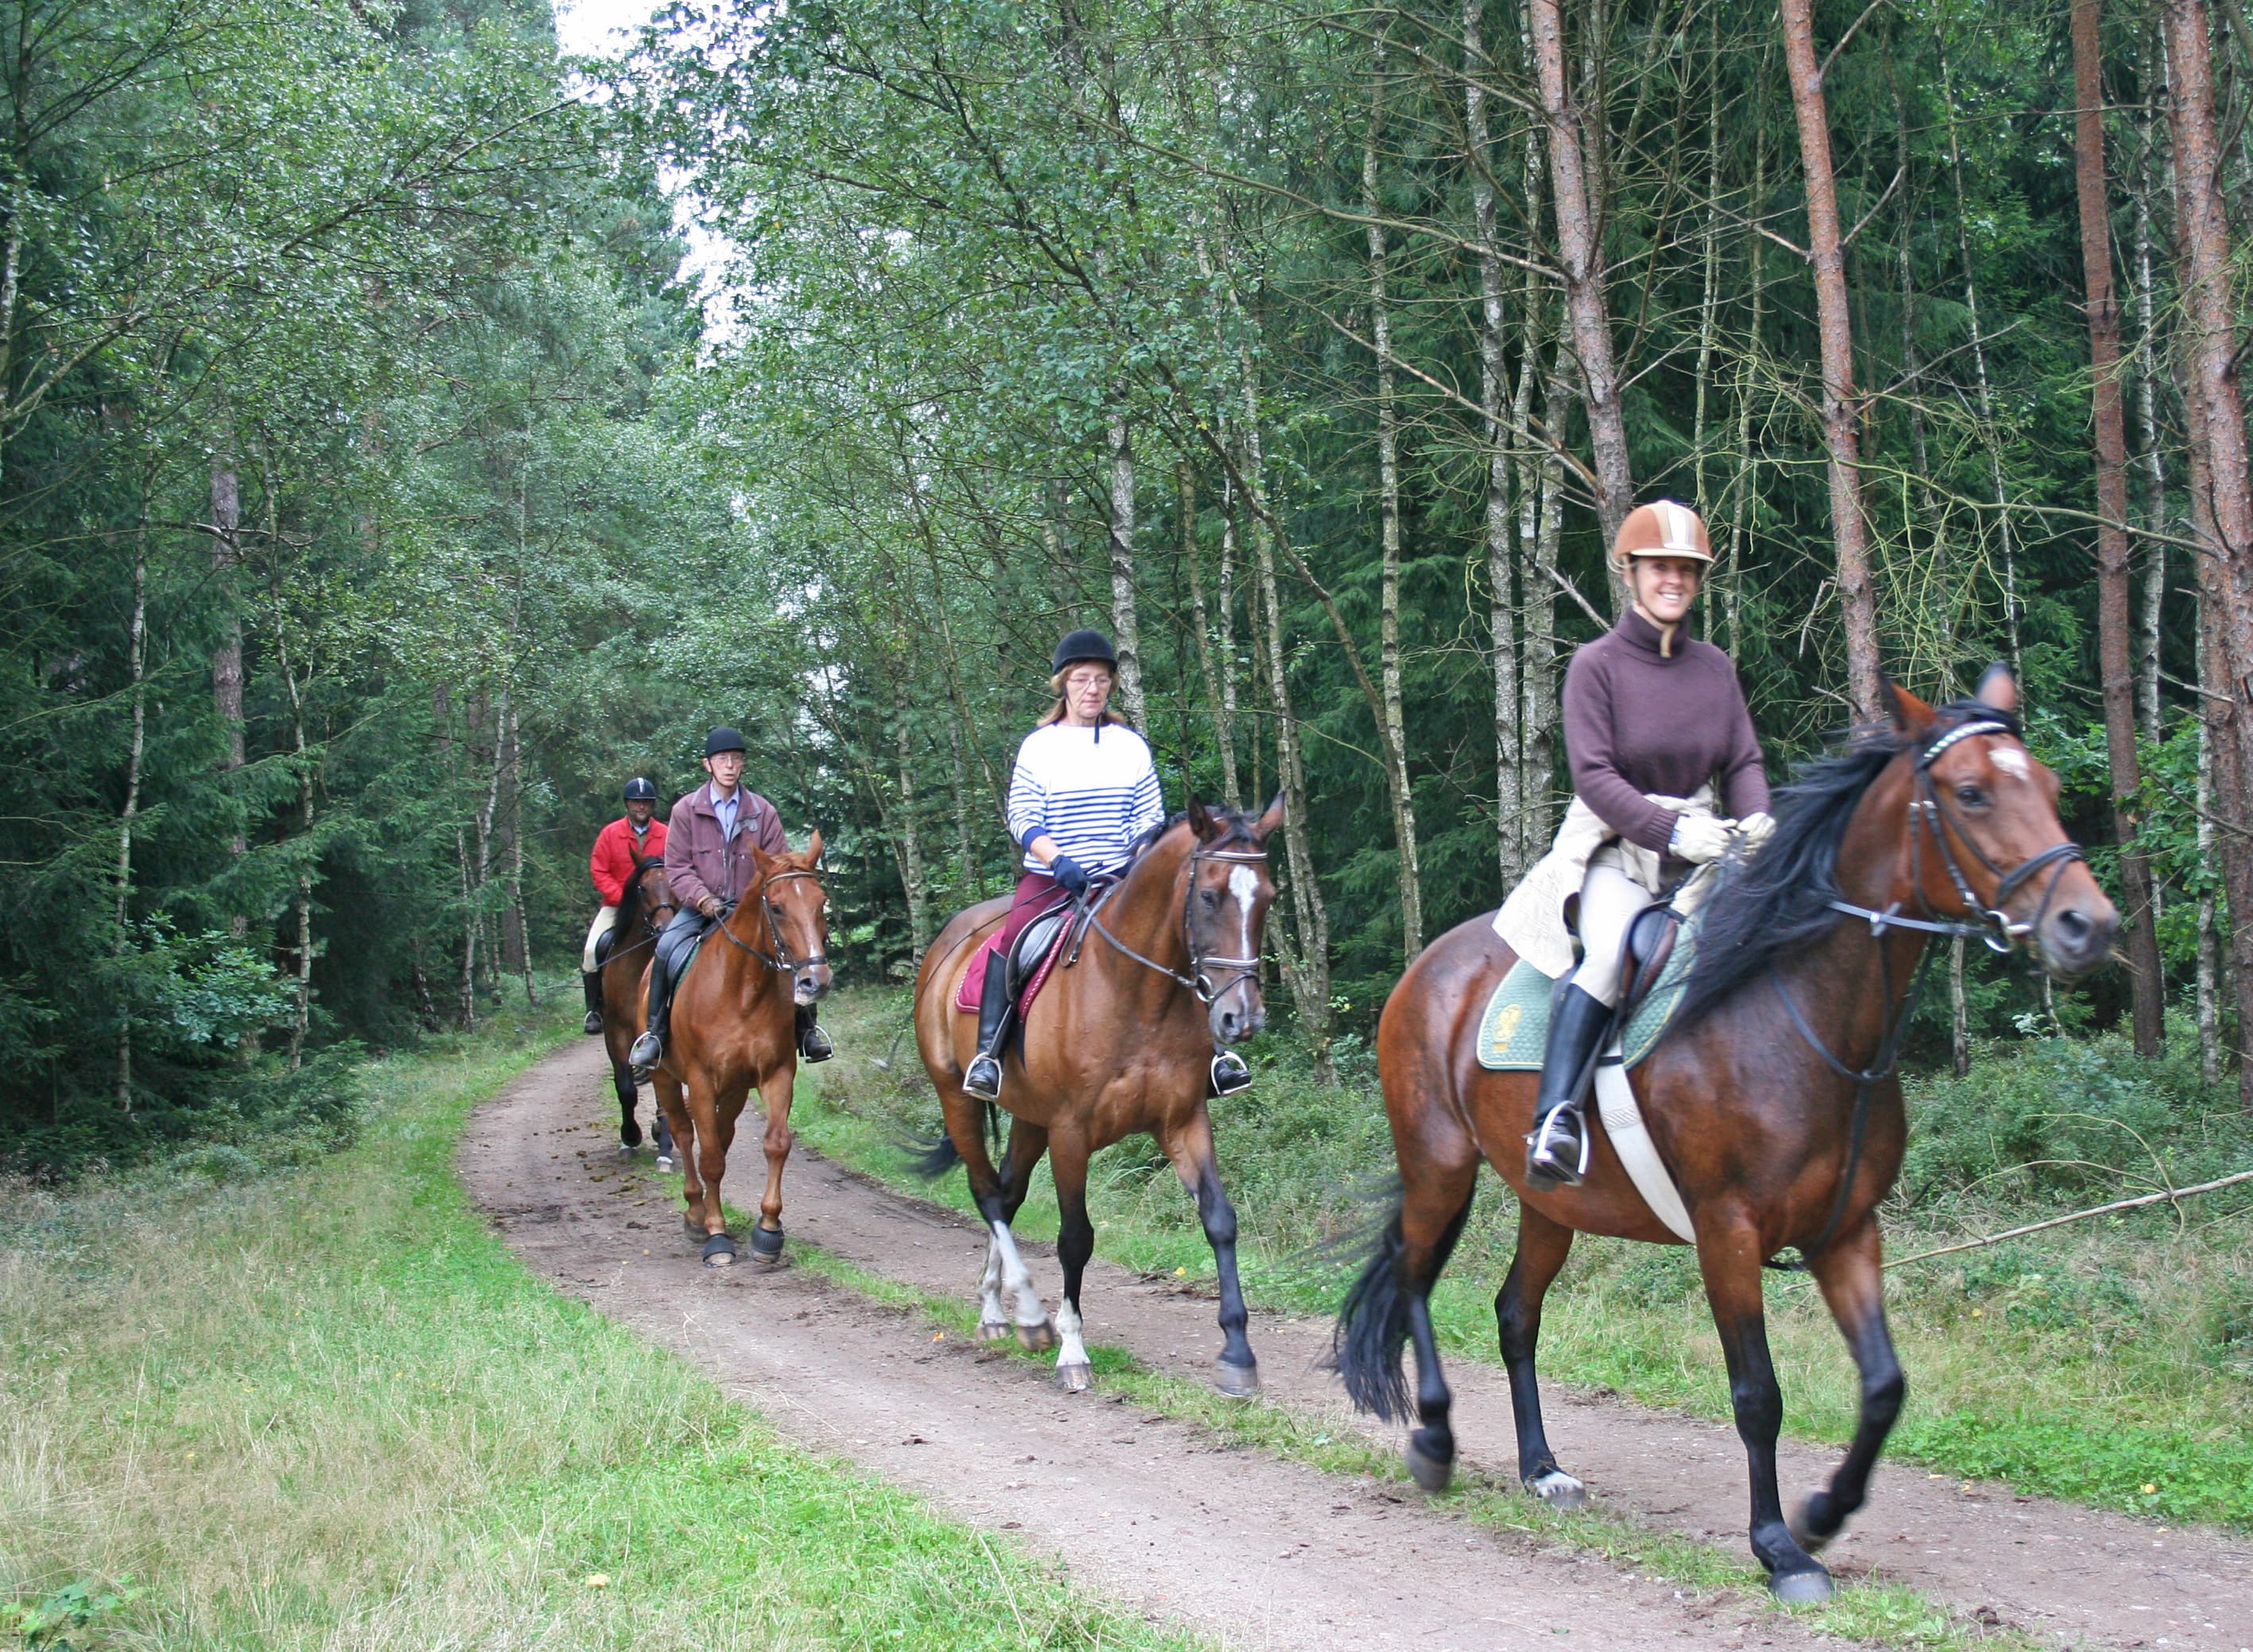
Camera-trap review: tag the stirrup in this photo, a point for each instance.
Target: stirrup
(647, 1051)
(1545, 1170)
(1230, 1072)
(814, 1045)
(594, 1023)
(981, 1080)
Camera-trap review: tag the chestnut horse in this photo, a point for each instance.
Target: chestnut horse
(735, 1026)
(1772, 1100)
(1119, 1041)
(649, 906)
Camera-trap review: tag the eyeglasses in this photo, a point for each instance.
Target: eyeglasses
(1086, 680)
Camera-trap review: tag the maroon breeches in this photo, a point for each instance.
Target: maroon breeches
(1036, 893)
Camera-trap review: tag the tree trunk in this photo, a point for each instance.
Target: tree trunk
(1224, 641)
(2115, 670)
(1850, 530)
(974, 877)
(2151, 461)
(1224, 738)
(1126, 635)
(301, 901)
(2223, 490)
(137, 651)
(1388, 600)
(1494, 385)
(1732, 570)
(2209, 948)
(1579, 246)
(226, 656)
(904, 834)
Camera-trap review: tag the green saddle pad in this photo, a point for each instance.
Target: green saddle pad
(1515, 1028)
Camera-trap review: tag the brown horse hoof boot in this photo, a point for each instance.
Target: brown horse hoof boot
(1037, 1339)
(1559, 1490)
(995, 1330)
(1237, 1381)
(1428, 1472)
(720, 1252)
(1800, 1588)
(766, 1244)
(1075, 1379)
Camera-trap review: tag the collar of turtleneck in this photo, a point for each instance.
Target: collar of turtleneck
(1659, 642)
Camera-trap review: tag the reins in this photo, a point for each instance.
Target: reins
(1995, 928)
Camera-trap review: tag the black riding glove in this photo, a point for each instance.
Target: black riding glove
(1069, 875)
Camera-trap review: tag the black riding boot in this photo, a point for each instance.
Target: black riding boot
(649, 1048)
(592, 981)
(1556, 1151)
(812, 1043)
(984, 1078)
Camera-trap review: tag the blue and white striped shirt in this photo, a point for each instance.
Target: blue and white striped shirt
(1094, 797)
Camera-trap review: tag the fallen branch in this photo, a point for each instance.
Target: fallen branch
(2078, 1215)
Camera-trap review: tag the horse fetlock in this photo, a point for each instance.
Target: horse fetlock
(1559, 1489)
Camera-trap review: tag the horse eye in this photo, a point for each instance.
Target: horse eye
(1211, 897)
(1970, 795)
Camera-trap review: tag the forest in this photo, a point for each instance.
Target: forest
(382, 484)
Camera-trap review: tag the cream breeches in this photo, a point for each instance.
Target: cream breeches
(605, 922)
(1609, 900)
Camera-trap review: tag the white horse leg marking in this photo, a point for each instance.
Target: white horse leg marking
(1073, 1369)
(992, 1314)
(1018, 1278)
(1559, 1489)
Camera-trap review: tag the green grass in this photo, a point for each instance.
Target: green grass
(2090, 1364)
(326, 1408)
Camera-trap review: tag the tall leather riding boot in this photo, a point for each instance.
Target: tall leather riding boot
(649, 1048)
(812, 1043)
(983, 1080)
(592, 981)
(1556, 1151)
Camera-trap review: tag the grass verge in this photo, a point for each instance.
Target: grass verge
(2144, 1323)
(327, 1409)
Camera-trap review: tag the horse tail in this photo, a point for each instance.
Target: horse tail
(932, 1157)
(1372, 1328)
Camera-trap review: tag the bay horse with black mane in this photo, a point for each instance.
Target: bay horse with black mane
(648, 907)
(1772, 1099)
(734, 1029)
(1120, 1040)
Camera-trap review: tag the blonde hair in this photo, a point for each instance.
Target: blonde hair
(1055, 686)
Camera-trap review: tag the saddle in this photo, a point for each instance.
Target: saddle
(1029, 966)
(1661, 944)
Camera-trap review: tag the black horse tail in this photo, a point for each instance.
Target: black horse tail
(932, 1157)
(1372, 1328)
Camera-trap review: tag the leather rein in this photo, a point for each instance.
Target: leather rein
(782, 960)
(1199, 981)
(1994, 927)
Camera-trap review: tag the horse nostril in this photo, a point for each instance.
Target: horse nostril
(2073, 926)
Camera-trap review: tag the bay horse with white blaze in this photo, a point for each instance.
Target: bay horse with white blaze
(648, 907)
(1772, 1100)
(734, 1028)
(1120, 1040)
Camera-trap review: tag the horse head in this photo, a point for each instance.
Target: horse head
(797, 906)
(654, 905)
(1985, 842)
(1225, 914)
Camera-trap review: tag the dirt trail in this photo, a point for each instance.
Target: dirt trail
(1254, 1550)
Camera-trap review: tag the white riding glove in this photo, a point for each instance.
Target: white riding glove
(1699, 839)
(1756, 828)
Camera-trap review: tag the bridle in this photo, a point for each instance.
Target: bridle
(782, 960)
(647, 916)
(1200, 980)
(1993, 926)
(1927, 812)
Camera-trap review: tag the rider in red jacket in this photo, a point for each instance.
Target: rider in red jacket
(619, 847)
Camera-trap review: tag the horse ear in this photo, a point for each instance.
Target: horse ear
(1264, 828)
(1999, 688)
(1200, 818)
(1910, 714)
(813, 848)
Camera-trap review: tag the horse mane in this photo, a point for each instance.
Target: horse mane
(1239, 823)
(629, 908)
(1779, 900)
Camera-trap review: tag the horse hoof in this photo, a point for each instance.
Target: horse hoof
(1237, 1381)
(1427, 1471)
(625, 1150)
(719, 1251)
(994, 1331)
(692, 1227)
(766, 1244)
(1075, 1379)
(1036, 1339)
(664, 1162)
(1802, 1526)
(629, 1134)
(1798, 1588)
(1559, 1490)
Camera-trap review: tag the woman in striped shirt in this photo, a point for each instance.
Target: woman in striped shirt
(1083, 793)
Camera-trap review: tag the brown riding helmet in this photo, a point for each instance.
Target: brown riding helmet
(1662, 528)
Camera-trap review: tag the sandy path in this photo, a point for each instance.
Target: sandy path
(1283, 1555)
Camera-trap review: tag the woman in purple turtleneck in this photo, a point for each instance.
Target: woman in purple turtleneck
(1666, 770)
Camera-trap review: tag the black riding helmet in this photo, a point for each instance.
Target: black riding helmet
(1079, 647)
(641, 791)
(722, 739)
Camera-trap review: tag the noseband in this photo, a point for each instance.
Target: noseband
(1199, 981)
(782, 960)
(1926, 810)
